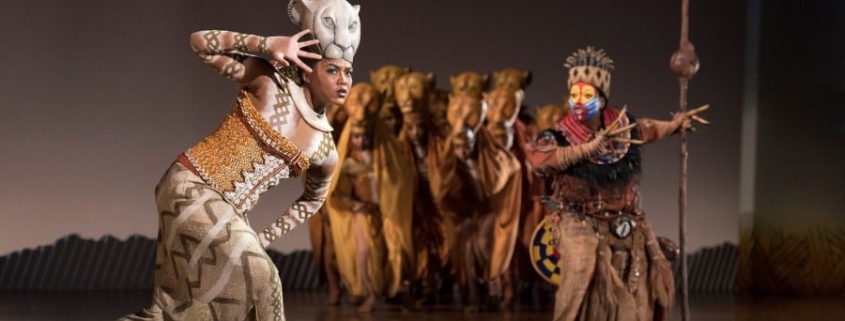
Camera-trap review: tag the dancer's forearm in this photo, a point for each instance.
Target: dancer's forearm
(316, 188)
(222, 50)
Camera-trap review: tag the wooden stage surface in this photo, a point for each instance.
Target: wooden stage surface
(310, 306)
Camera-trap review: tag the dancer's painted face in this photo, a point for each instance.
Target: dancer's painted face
(584, 101)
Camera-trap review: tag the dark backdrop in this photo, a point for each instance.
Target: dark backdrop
(98, 97)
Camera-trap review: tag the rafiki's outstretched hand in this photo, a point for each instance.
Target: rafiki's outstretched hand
(284, 49)
(683, 121)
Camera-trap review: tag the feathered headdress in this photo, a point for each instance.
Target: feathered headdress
(591, 66)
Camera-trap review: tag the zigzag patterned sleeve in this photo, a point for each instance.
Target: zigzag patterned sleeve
(316, 189)
(224, 50)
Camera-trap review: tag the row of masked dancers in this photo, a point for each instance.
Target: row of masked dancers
(470, 188)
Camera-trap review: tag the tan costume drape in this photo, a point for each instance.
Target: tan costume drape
(499, 172)
(531, 209)
(392, 175)
(443, 178)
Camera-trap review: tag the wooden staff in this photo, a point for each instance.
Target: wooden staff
(684, 65)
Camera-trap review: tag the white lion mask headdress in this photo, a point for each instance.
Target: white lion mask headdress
(334, 22)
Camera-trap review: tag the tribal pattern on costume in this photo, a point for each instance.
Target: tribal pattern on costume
(228, 62)
(209, 263)
(267, 156)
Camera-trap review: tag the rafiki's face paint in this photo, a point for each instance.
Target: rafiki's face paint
(584, 101)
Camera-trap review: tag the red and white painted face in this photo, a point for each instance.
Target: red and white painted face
(584, 101)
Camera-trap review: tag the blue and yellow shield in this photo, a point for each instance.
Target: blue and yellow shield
(544, 255)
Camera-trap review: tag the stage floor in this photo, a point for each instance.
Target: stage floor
(90, 306)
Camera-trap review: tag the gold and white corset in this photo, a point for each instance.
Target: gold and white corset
(245, 156)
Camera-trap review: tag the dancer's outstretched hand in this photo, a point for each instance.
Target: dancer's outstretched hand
(284, 49)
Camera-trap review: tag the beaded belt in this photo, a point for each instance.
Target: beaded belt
(594, 208)
(620, 223)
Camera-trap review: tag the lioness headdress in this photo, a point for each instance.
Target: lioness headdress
(334, 22)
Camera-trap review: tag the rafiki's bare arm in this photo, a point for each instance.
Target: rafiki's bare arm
(222, 50)
(316, 188)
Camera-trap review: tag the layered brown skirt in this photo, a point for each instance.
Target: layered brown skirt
(604, 277)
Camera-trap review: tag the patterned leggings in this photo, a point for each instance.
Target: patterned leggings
(209, 262)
